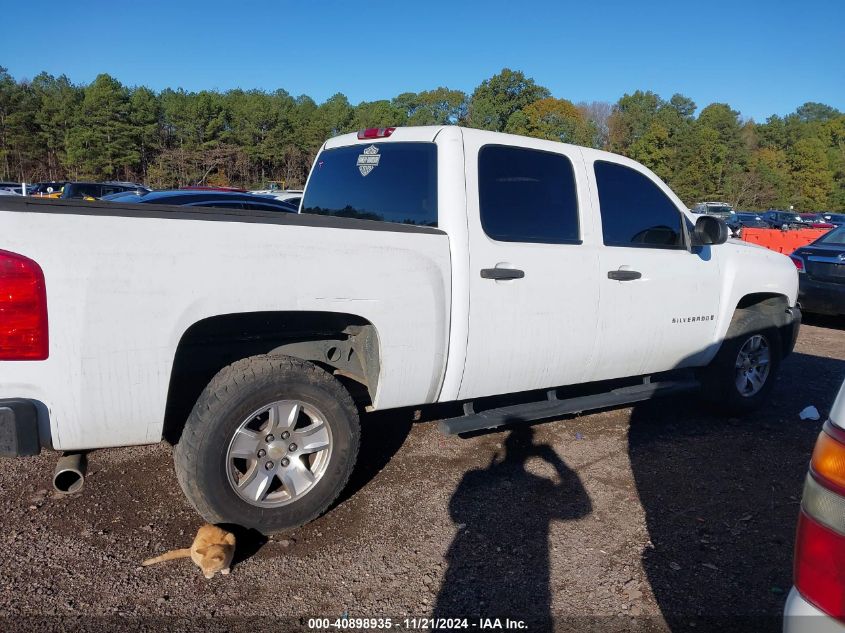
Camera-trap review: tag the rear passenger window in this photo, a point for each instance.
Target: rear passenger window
(634, 210)
(527, 195)
(389, 182)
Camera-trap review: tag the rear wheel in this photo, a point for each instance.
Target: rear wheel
(269, 445)
(741, 376)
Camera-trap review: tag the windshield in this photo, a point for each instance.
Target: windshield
(836, 237)
(719, 210)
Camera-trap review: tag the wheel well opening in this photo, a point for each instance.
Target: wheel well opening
(765, 298)
(774, 307)
(345, 345)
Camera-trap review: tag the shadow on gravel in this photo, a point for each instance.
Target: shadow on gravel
(499, 560)
(823, 320)
(249, 542)
(721, 499)
(382, 435)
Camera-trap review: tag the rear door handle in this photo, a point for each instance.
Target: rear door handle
(502, 273)
(624, 275)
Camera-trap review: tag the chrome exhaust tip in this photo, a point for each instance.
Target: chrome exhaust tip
(69, 476)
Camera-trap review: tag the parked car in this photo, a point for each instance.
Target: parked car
(751, 219)
(49, 188)
(836, 219)
(97, 190)
(821, 268)
(272, 187)
(9, 185)
(206, 198)
(129, 195)
(742, 219)
(819, 581)
(719, 209)
(20, 190)
(782, 219)
(816, 221)
(294, 196)
(212, 188)
(291, 197)
(429, 264)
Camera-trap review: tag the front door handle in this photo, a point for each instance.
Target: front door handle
(502, 273)
(624, 275)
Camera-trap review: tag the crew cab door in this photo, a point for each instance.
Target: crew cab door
(533, 291)
(659, 299)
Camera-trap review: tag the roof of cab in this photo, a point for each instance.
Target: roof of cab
(428, 133)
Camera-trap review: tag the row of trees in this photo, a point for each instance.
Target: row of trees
(52, 129)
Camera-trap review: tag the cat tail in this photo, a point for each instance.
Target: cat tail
(176, 553)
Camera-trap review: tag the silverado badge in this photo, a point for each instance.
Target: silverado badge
(369, 160)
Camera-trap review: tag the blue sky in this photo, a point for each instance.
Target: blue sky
(761, 57)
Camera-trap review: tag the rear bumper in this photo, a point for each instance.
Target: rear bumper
(799, 616)
(822, 297)
(18, 428)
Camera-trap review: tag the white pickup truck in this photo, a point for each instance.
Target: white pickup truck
(427, 265)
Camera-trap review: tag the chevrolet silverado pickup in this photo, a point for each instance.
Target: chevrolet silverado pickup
(426, 265)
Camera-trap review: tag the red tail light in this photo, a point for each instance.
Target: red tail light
(799, 263)
(375, 132)
(820, 566)
(820, 539)
(23, 309)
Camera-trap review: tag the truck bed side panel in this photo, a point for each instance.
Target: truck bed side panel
(122, 291)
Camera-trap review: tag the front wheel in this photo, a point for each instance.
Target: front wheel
(741, 376)
(269, 445)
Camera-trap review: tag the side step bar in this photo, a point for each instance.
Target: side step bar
(533, 411)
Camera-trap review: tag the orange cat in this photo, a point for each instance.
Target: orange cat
(212, 551)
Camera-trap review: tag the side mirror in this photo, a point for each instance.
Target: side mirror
(710, 231)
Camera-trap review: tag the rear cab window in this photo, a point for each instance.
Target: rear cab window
(386, 182)
(527, 195)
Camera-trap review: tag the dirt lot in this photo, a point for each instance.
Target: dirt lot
(658, 517)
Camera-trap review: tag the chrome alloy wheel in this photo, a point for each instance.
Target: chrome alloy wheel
(752, 365)
(279, 453)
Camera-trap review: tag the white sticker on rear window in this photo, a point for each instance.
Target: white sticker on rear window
(369, 160)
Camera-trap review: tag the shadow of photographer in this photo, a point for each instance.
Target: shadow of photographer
(498, 563)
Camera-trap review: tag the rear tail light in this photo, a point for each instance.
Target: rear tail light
(799, 263)
(820, 539)
(375, 132)
(820, 566)
(23, 309)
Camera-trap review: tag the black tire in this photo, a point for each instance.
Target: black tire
(719, 378)
(232, 395)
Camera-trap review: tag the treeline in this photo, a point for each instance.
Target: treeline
(51, 128)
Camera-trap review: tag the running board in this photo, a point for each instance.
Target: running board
(550, 408)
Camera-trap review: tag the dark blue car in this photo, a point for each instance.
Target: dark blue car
(821, 268)
(214, 199)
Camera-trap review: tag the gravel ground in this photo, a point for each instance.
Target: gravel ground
(653, 518)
